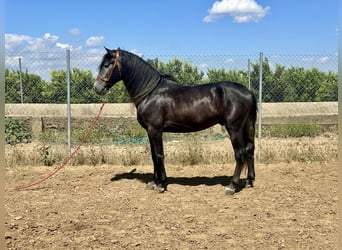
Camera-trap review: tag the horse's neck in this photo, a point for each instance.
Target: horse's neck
(140, 78)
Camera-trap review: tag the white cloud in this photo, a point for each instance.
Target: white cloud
(323, 59)
(94, 41)
(49, 37)
(308, 59)
(39, 54)
(320, 60)
(47, 42)
(243, 11)
(203, 65)
(63, 45)
(229, 61)
(12, 40)
(75, 32)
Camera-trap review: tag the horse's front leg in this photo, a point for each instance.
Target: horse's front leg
(159, 176)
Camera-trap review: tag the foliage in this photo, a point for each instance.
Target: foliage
(216, 75)
(134, 130)
(292, 84)
(16, 131)
(81, 87)
(33, 87)
(292, 130)
(184, 72)
(328, 90)
(46, 155)
(117, 94)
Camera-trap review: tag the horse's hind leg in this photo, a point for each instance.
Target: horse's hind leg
(250, 164)
(236, 136)
(249, 133)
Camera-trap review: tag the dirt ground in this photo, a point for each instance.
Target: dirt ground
(292, 206)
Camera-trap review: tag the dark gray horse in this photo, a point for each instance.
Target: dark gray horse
(163, 105)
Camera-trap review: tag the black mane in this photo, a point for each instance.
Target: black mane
(140, 77)
(168, 77)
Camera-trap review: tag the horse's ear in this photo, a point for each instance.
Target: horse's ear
(108, 50)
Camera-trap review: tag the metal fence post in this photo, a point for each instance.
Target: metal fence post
(21, 82)
(260, 104)
(68, 97)
(249, 74)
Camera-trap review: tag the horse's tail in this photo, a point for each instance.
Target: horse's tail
(251, 120)
(249, 130)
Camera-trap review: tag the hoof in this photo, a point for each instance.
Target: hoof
(158, 187)
(229, 190)
(249, 184)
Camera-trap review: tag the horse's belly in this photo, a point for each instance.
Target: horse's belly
(189, 125)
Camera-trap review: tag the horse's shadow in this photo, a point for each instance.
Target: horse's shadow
(184, 181)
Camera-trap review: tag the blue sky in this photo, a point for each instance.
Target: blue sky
(176, 26)
(39, 32)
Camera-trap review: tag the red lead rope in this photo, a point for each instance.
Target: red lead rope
(68, 158)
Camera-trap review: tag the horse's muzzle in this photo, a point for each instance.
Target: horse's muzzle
(100, 88)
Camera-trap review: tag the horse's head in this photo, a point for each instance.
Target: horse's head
(109, 72)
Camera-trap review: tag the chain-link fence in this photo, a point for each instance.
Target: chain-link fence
(40, 77)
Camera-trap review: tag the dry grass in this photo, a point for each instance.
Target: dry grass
(306, 149)
(188, 152)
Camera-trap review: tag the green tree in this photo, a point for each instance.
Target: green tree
(328, 90)
(270, 85)
(183, 72)
(12, 87)
(281, 85)
(277, 91)
(293, 80)
(267, 79)
(56, 90)
(217, 75)
(301, 85)
(118, 94)
(313, 79)
(32, 87)
(81, 87)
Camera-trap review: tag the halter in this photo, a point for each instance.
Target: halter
(115, 64)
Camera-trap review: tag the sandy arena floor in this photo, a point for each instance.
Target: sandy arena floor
(292, 206)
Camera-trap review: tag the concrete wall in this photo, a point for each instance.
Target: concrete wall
(289, 112)
(53, 116)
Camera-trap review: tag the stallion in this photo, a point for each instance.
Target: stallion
(164, 105)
